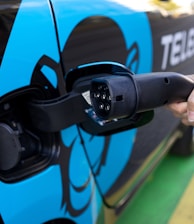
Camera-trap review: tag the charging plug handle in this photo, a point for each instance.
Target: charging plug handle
(124, 95)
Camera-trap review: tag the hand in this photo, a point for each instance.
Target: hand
(184, 110)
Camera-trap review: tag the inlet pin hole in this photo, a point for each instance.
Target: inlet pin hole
(119, 98)
(166, 80)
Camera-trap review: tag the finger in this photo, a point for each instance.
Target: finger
(178, 108)
(186, 122)
(184, 119)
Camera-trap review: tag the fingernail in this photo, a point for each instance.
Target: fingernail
(191, 116)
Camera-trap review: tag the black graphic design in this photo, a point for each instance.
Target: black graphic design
(80, 50)
(1, 220)
(133, 58)
(64, 162)
(59, 221)
(64, 156)
(92, 41)
(96, 167)
(8, 12)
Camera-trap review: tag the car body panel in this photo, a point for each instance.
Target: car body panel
(85, 44)
(28, 42)
(91, 177)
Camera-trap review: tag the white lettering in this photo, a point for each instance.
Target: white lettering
(177, 47)
(166, 41)
(183, 48)
(190, 43)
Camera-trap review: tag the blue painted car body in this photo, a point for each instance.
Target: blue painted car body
(90, 177)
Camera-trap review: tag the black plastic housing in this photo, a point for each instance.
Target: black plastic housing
(114, 96)
(127, 95)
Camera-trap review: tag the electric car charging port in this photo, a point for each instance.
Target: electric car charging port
(25, 150)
